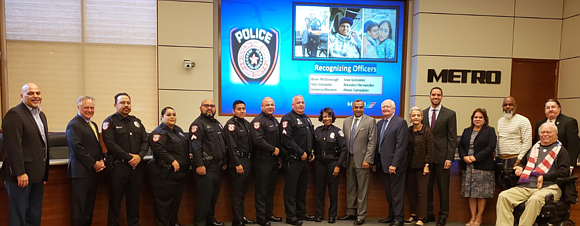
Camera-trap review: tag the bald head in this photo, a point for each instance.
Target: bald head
(268, 106)
(298, 104)
(509, 107)
(207, 108)
(31, 95)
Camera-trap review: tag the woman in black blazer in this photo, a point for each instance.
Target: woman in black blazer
(476, 151)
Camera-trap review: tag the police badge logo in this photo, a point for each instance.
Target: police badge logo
(137, 124)
(257, 125)
(156, 137)
(340, 133)
(284, 124)
(332, 135)
(193, 128)
(254, 53)
(299, 121)
(231, 127)
(105, 125)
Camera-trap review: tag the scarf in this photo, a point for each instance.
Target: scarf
(543, 167)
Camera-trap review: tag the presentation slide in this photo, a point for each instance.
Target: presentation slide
(331, 52)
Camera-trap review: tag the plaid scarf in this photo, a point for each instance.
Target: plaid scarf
(543, 167)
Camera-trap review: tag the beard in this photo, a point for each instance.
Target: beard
(508, 116)
(209, 114)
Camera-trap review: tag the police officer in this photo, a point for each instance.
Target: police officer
(240, 152)
(314, 32)
(329, 149)
(297, 138)
(168, 168)
(209, 157)
(267, 148)
(126, 141)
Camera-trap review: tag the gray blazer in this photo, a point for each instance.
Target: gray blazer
(444, 134)
(365, 139)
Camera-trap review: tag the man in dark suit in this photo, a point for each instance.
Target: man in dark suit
(85, 161)
(25, 168)
(361, 138)
(392, 158)
(443, 123)
(567, 129)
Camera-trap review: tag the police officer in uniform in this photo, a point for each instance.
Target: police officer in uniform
(169, 167)
(297, 139)
(314, 32)
(267, 148)
(330, 151)
(126, 141)
(209, 157)
(239, 143)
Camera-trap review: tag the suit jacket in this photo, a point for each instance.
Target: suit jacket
(364, 141)
(393, 144)
(483, 148)
(567, 134)
(444, 134)
(84, 148)
(26, 151)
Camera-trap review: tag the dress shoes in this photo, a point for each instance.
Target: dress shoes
(238, 223)
(293, 221)
(347, 217)
(386, 220)
(245, 220)
(177, 224)
(275, 218)
(397, 223)
(215, 223)
(429, 218)
(306, 218)
(441, 222)
(359, 222)
(332, 220)
(267, 223)
(319, 219)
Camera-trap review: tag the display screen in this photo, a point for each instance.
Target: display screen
(331, 52)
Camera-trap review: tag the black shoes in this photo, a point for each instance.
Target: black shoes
(238, 223)
(267, 223)
(441, 222)
(319, 219)
(397, 223)
(275, 218)
(347, 217)
(359, 222)
(215, 223)
(306, 218)
(245, 220)
(332, 220)
(386, 220)
(429, 218)
(293, 221)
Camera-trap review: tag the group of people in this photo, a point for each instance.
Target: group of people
(410, 158)
(377, 40)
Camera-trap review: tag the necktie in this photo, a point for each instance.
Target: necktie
(433, 118)
(382, 134)
(94, 130)
(352, 133)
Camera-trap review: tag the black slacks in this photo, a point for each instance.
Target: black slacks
(82, 200)
(324, 178)
(240, 185)
(442, 176)
(416, 186)
(266, 176)
(168, 192)
(395, 192)
(297, 173)
(125, 181)
(25, 204)
(208, 190)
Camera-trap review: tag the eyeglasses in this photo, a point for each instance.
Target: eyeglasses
(208, 105)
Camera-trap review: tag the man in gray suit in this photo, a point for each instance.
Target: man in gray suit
(443, 123)
(360, 131)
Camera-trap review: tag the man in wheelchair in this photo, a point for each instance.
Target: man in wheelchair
(538, 173)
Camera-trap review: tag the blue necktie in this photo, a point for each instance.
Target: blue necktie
(382, 134)
(352, 133)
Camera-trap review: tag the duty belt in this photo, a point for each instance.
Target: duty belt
(244, 154)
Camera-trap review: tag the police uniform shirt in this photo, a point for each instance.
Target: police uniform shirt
(170, 144)
(237, 135)
(124, 135)
(206, 135)
(297, 134)
(315, 26)
(266, 134)
(327, 141)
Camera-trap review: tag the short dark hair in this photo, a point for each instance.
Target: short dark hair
(238, 102)
(436, 87)
(121, 94)
(328, 111)
(165, 110)
(553, 100)
(370, 24)
(484, 113)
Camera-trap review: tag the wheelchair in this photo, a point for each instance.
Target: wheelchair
(552, 213)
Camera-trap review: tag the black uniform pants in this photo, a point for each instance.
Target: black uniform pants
(240, 185)
(266, 176)
(208, 190)
(167, 193)
(313, 46)
(82, 201)
(395, 192)
(295, 188)
(324, 178)
(442, 176)
(125, 181)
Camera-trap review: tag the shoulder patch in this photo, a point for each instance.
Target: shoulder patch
(231, 127)
(137, 124)
(284, 124)
(257, 125)
(105, 125)
(156, 137)
(194, 128)
(340, 133)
